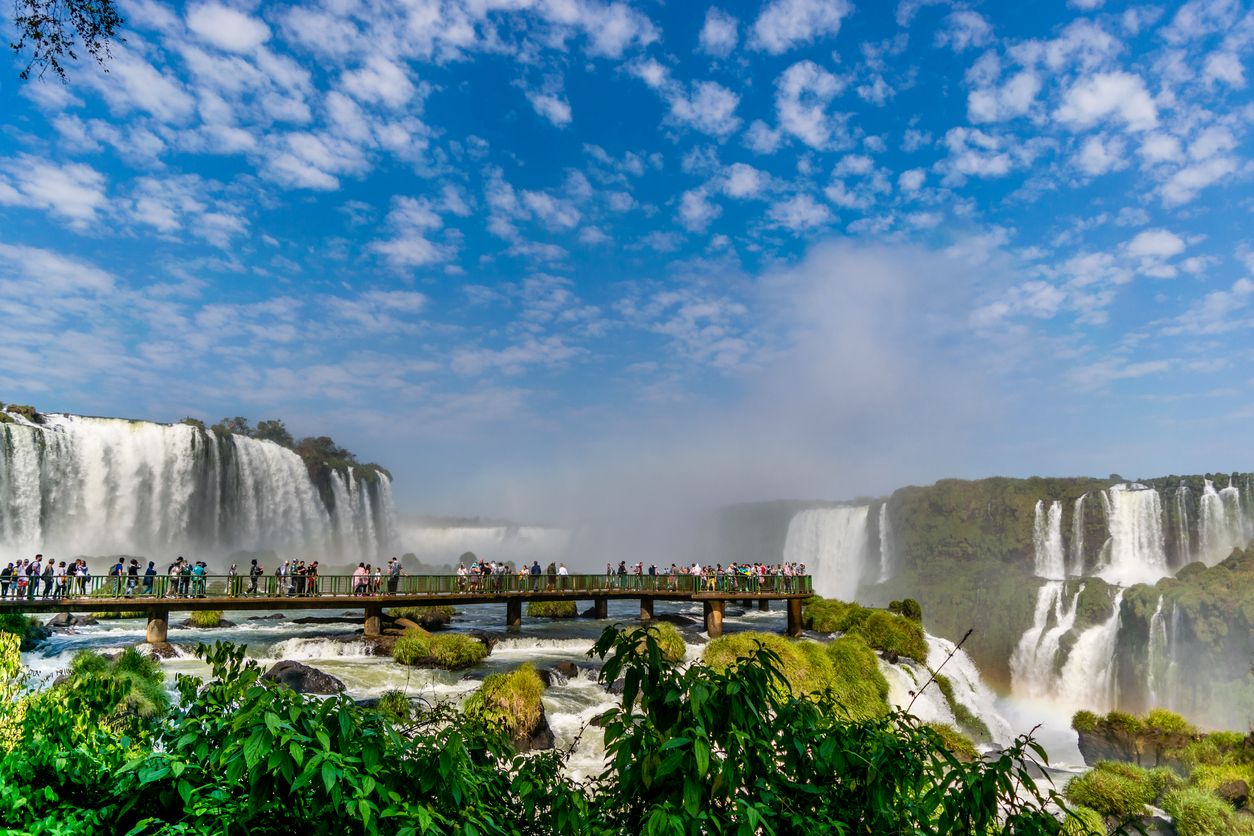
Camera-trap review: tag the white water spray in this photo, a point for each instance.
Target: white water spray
(1136, 551)
(832, 543)
(1050, 559)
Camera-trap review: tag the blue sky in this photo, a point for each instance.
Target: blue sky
(549, 256)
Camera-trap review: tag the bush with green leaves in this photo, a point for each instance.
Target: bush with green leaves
(668, 638)
(552, 609)
(1112, 790)
(508, 702)
(395, 706)
(450, 651)
(204, 618)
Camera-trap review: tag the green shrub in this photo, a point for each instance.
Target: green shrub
(1083, 821)
(1197, 812)
(205, 618)
(1163, 780)
(116, 614)
(1084, 721)
(450, 651)
(427, 618)
(857, 685)
(668, 639)
(1211, 777)
(139, 676)
(454, 651)
(552, 609)
(1109, 790)
(907, 607)
(958, 744)
(824, 615)
(894, 634)
(508, 701)
(28, 412)
(1167, 722)
(29, 630)
(967, 720)
(395, 706)
(806, 673)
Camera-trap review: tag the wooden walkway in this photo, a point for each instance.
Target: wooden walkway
(163, 597)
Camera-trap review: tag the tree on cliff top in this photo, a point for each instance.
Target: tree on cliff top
(53, 29)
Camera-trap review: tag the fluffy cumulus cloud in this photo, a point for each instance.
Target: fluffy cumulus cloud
(1117, 96)
(720, 33)
(802, 96)
(226, 28)
(784, 24)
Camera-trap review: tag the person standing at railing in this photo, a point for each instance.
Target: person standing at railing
(394, 576)
(6, 579)
(150, 575)
(254, 572)
(132, 577)
(535, 576)
(562, 575)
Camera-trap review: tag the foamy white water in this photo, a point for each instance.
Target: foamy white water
(832, 543)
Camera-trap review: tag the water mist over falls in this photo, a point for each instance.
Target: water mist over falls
(98, 486)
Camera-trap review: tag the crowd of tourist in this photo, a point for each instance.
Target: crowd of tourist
(734, 577)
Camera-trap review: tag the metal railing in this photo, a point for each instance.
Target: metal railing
(111, 587)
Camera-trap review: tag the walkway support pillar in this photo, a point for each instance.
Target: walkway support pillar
(714, 618)
(158, 625)
(513, 615)
(794, 617)
(601, 608)
(646, 609)
(374, 621)
(764, 605)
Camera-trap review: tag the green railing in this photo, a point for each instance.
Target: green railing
(272, 586)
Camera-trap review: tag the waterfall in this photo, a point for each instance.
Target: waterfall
(102, 486)
(886, 545)
(1183, 549)
(1222, 523)
(1032, 662)
(832, 543)
(1088, 676)
(1159, 657)
(1050, 557)
(1077, 538)
(1136, 549)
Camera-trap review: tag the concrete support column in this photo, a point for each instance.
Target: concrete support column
(646, 609)
(714, 618)
(764, 605)
(374, 621)
(794, 617)
(158, 625)
(601, 608)
(513, 614)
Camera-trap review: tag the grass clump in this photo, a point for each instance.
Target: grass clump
(967, 720)
(1196, 812)
(508, 701)
(450, 651)
(205, 618)
(907, 607)
(806, 671)
(890, 633)
(1117, 790)
(29, 631)
(139, 676)
(1083, 821)
(395, 706)
(668, 639)
(427, 618)
(1162, 721)
(857, 683)
(552, 609)
(957, 744)
(826, 615)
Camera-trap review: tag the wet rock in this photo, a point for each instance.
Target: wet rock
(1113, 741)
(538, 738)
(1236, 793)
(164, 650)
(302, 678)
(328, 619)
(65, 620)
(567, 669)
(278, 616)
(679, 620)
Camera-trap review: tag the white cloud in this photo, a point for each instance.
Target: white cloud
(973, 152)
(1185, 184)
(1160, 148)
(380, 81)
(761, 138)
(650, 72)
(1099, 155)
(744, 181)
(1104, 372)
(695, 210)
(74, 192)
(912, 180)
(556, 213)
(551, 107)
(227, 28)
(710, 108)
(411, 220)
(1099, 97)
(719, 33)
(784, 24)
(1225, 67)
(1211, 142)
(800, 212)
(1155, 243)
(997, 104)
(964, 29)
(803, 92)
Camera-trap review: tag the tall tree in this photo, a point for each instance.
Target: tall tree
(53, 29)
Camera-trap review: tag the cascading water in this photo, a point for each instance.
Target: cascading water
(1077, 538)
(1156, 680)
(1051, 559)
(1032, 663)
(832, 543)
(1182, 540)
(100, 486)
(1088, 676)
(1221, 523)
(886, 545)
(1136, 551)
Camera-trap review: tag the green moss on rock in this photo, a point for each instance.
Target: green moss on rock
(552, 609)
(955, 742)
(1083, 821)
(428, 618)
(805, 671)
(450, 651)
(1196, 812)
(857, 684)
(204, 618)
(1117, 790)
(509, 702)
